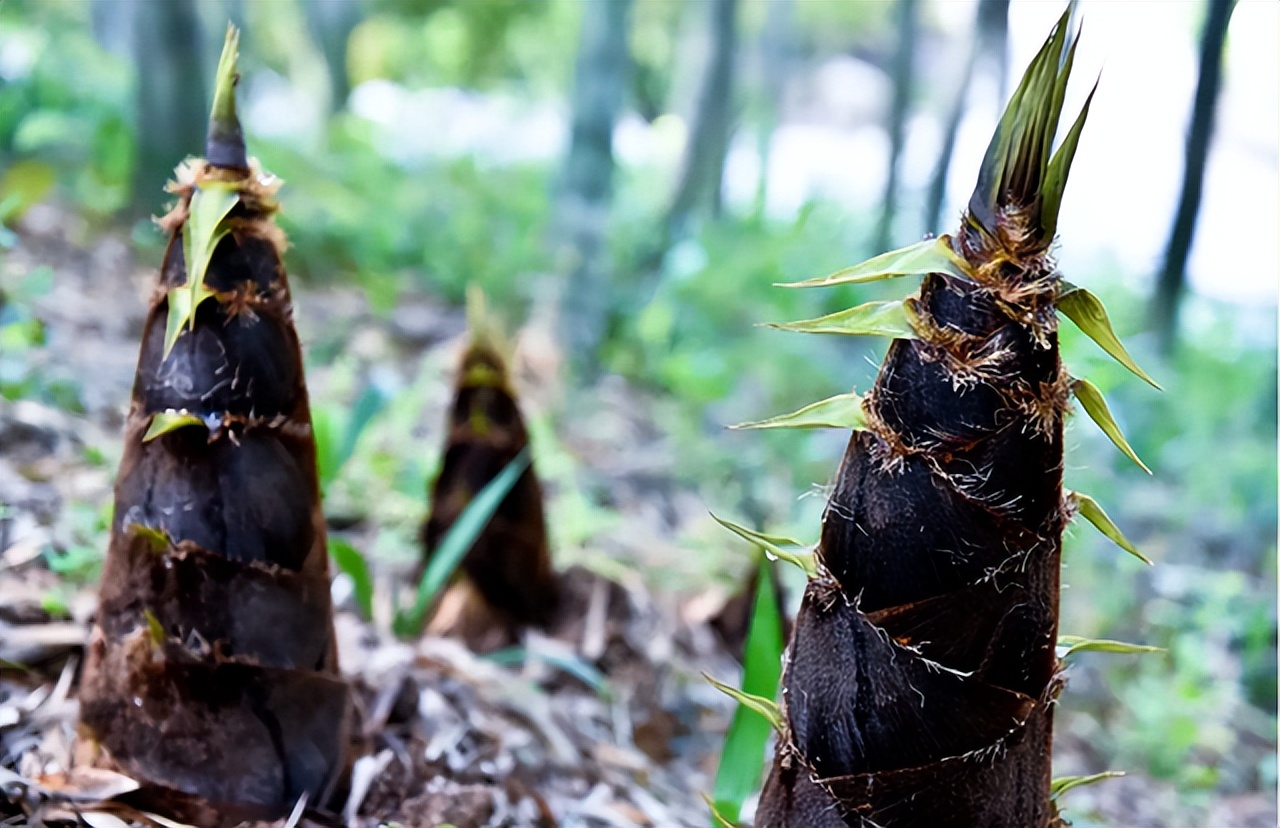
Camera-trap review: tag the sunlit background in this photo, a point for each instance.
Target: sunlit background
(426, 145)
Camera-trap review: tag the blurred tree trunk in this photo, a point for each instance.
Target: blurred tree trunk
(1172, 281)
(699, 188)
(903, 63)
(331, 23)
(775, 60)
(990, 41)
(110, 23)
(586, 185)
(169, 94)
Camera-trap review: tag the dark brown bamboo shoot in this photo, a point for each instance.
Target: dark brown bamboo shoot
(508, 568)
(212, 668)
(922, 674)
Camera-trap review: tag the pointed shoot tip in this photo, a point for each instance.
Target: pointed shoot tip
(224, 146)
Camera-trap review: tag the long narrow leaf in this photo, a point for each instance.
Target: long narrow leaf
(871, 319)
(928, 256)
(1090, 316)
(742, 760)
(1095, 405)
(840, 411)
(458, 541)
(1092, 512)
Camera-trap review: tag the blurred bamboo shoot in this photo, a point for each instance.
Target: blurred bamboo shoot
(509, 565)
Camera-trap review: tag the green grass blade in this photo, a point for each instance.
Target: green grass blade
(349, 561)
(742, 760)
(840, 411)
(1090, 316)
(567, 663)
(1063, 784)
(458, 541)
(1092, 512)
(772, 546)
(1095, 405)
(1080, 644)
(893, 319)
(928, 256)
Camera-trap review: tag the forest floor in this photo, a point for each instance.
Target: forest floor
(607, 724)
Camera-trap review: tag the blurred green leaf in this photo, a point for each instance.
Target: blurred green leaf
(350, 562)
(25, 183)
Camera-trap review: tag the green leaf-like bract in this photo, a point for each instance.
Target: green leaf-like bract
(1090, 316)
(894, 319)
(1092, 512)
(1079, 644)
(840, 411)
(773, 546)
(165, 421)
(158, 538)
(919, 259)
(766, 708)
(1062, 784)
(1095, 405)
(1059, 167)
(211, 202)
(1015, 169)
(459, 540)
